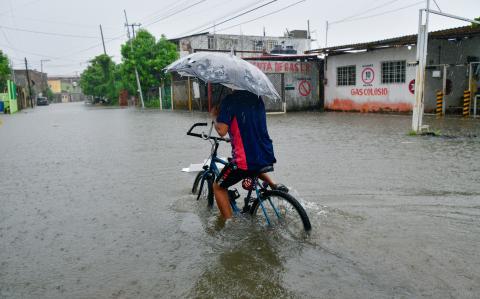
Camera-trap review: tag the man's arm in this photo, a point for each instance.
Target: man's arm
(222, 129)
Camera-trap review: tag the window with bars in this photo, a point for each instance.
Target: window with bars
(271, 44)
(393, 71)
(257, 45)
(211, 42)
(346, 75)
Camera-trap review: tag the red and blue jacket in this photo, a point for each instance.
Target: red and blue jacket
(244, 113)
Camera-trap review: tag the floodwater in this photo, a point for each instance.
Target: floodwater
(93, 205)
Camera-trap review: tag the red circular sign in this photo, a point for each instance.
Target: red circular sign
(411, 86)
(304, 88)
(368, 75)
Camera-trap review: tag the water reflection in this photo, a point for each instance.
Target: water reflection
(251, 268)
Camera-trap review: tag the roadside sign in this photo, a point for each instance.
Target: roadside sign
(304, 88)
(368, 75)
(411, 86)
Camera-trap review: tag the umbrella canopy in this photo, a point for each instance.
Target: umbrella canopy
(226, 69)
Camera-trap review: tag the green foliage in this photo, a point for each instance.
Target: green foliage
(50, 95)
(153, 103)
(98, 79)
(412, 133)
(475, 25)
(150, 57)
(5, 71)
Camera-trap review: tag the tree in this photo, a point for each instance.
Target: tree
(98, 79)
(475, 25)
(150, 57)
(5, 71)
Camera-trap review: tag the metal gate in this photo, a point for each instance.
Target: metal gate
(166, 97)
(272, 105)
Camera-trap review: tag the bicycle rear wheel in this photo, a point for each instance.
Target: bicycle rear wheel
(282, 210)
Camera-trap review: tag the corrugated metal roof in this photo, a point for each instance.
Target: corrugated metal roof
(284, 57)
(458, 32)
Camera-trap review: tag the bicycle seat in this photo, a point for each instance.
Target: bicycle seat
(265, 169)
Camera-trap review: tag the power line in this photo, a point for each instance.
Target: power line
(93, 46)
(239, 15)
(385, 12)
(265, 15)
(28, 52)
(176, 12)
(364, 12)
(163, 11)
(435, 1)
(222, 17)
(58, 22)
(48, 33)
(25, 4)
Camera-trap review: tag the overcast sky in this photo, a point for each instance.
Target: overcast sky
(78, 37)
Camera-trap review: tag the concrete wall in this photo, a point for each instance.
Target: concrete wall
(241, 43)
(377, 97)
(455, 54)
(66, 89)
(55, 86)
(38, 81)
(369, 96)
(301, 86)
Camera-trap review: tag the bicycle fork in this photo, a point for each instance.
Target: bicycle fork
(264, 210)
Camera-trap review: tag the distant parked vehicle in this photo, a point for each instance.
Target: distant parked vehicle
(42, 101)
(100, 100)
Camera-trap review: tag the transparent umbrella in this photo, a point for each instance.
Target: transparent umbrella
(225, 69)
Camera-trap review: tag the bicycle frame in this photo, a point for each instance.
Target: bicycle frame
(213, 169)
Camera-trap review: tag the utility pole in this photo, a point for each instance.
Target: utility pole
(103, 41)
(41, 71)
(326, 33)
(133, 28)
(28, 80)
(308, 29)
(136, 71)
(422, 46)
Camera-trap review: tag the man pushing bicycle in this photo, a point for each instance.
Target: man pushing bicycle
(242, 115)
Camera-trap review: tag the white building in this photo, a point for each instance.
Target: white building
(379, 76)
(244, 45)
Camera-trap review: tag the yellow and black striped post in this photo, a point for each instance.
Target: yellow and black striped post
(439, 110)
(466, 103)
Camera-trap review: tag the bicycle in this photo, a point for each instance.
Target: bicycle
(278, 207)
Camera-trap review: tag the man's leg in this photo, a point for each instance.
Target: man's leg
(266, 178)
(223, 203)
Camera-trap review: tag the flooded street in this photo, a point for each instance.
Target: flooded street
(93, 205)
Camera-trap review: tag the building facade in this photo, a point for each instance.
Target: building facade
(38, 82)
(244, 45)
(66, 89)
(380, 76)
(297, 78)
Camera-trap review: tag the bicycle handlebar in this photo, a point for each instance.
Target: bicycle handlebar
(203, 135)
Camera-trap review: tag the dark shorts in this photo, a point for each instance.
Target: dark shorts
(230, 175)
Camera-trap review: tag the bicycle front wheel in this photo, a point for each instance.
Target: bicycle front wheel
(205, 189)
(196, 182)
(281, 209)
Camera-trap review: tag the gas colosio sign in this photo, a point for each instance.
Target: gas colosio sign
(368, 77)
(369, 91)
